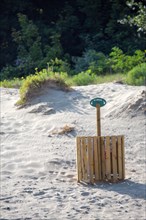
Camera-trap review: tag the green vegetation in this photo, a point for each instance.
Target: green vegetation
(84, 78)
(87, 79)
(14, 83)
(34, 84)
(121, 62)
(70, 36)
(137, 76)
(138, 19)
(67, 43)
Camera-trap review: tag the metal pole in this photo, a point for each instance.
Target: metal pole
(98, 120)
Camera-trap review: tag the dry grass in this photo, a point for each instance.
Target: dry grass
(64, 130)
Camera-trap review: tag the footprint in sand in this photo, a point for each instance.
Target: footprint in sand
(85, 194)
(9, 166)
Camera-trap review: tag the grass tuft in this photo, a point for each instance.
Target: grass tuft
(33, 85)
(14, 83)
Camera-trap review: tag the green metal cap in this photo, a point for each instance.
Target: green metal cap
(98, 101)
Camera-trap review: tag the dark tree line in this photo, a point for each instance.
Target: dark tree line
(35, 31)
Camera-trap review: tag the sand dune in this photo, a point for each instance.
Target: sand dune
(38, 159)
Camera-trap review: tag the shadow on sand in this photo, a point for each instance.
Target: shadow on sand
(126, 187)
(60, 100)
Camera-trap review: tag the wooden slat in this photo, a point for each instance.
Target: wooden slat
(120, 167)
(108, 158)
(96, 160)
(123, 158)
(92, 161)
(84, 158)
(99, 156)
(114, 158)
(79, 171)
(102, 151)
(90, 157)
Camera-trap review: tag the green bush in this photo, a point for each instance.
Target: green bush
(58, 65)
(95, 61)
(8, 72)
(33, 84)
(137, 76)
(84, 78)
(116, 60)
(122, 63)
(100, 65)
(14, 83)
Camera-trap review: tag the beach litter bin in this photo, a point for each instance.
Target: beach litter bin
(100, 158)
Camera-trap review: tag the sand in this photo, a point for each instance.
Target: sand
(38, 159)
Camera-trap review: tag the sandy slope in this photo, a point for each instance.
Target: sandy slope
(38, 165)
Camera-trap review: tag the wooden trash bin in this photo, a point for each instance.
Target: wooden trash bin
(100, 158)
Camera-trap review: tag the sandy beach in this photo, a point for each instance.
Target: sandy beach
(38, 159)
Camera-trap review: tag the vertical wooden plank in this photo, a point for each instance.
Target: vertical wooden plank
(85, 162)
(92, 161)
(90, 158)
(120, 167)
(102, 151)
(82, 158)
(123, 158)
(114, 158)
(107, 158)
(79, 171)
(99, 156)
(96, 160)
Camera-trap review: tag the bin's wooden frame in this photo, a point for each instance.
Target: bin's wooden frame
(100, 158)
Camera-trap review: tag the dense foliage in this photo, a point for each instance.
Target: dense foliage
(137, 76)
(72, 36)
(138, 20)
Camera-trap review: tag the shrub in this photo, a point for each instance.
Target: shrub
(84, 78)
(116, 59)
(100, 65)
(122, 63)
(137, 76)
(95, 61)
(33, 84)
(14, 83)
(58, 65)
(8, 72)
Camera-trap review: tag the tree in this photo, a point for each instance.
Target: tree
(139, 17)
(29, 45)
(65, 29)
